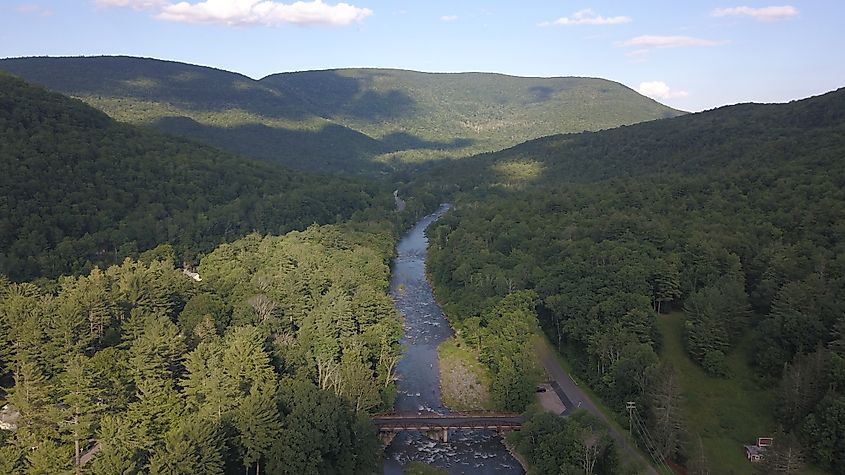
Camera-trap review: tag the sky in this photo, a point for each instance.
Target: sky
(689, 54)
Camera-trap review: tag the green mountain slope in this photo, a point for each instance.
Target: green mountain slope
(357, 121)
(735, 217)
(80, 188)
(428, 115)
(738, 137)
(219, 108)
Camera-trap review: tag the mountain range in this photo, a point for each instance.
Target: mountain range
(343, 120)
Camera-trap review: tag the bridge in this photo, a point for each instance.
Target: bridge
(438, 425)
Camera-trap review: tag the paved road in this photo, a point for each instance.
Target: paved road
(572, 395)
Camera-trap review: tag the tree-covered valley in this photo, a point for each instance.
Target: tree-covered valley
(350, 121)
(170, 307)
(729, 220)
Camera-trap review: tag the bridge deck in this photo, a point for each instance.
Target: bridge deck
(432, 421)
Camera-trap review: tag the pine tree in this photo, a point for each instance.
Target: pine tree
(31, 396)
(195, 447)
(258, 425)
(80, 397)
(47, 458)
(121, 442)
(208, 390)
(246, 363)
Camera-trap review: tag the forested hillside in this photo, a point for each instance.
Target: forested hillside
(220, 108)
(268, 365)
(429, 115)
(81, 189)
(349, 121)
(734, 217)
(737, 137)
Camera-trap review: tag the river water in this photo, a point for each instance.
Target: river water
(467, 452)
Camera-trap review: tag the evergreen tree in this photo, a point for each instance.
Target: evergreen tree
(197, 446)
(80, 396)
(257, 423)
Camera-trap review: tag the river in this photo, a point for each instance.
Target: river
(467, 452)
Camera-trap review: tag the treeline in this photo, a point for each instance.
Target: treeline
(268, 364)
(743, 234)
(81, 190)
(575, 444)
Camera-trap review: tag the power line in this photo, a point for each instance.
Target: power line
(649, 441)
(635, 423)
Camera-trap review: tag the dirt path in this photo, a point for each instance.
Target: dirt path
(578, 399)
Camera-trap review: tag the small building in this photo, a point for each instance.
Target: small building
(9, 418)
(756, 452)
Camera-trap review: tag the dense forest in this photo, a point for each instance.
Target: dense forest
(575, 444)
(350, 121)
(81, 189)
(734, 216)
(116, 357)
(270, 363)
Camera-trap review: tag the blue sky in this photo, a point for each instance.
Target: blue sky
(692, 55)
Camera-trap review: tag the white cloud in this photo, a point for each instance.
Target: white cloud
(638, 55)
(449, 18)
(133, 4)
(659, 90)
(773, 13)
(653, 41)
(587, 17)
(249, 12)
(32, 9)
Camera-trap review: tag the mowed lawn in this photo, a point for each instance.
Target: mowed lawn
(726, 412)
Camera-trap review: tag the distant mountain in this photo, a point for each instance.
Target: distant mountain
(352, 121)
(743, 137)
(432, 114)
(81, 189)
(220, 108)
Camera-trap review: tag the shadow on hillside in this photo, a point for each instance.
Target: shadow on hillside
(333, 148)
(330, 94)
(186, 86)
(404, 141)
(542, 93)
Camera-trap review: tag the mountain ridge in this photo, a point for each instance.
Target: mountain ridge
(390, 117)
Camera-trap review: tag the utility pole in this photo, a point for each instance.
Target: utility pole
(631, 406)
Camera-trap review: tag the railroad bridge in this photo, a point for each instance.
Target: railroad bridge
(437, 425)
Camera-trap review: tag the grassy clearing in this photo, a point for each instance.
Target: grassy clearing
(419, 468)
(464, 382)
(726, 412)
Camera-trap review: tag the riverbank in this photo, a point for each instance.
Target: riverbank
(516, 455)
(464, 382)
